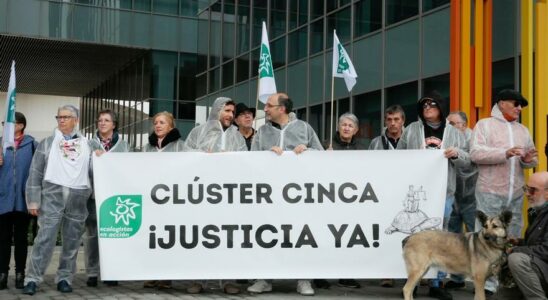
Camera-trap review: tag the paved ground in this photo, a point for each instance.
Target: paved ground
(283, 289)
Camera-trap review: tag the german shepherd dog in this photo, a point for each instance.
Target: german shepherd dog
(475, 254)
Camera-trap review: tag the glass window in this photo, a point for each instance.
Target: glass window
(301, 113)
(341, 107)
(397, 10)
(316, 38)
(243, 26)
(402, 53)
(189, 7)
(331, 5)
(368, 17)
(164, 74)
(228, 30)
(242, 68)
(277, 50)
(367, 60)
(430, 4)
(141, 35)
(187, 77)
(341, 22)
(315, 119)
(316, 8)
(298, 13)
(277, 18)
(215, 43)
(126, 4)
(228, 74)
(259, 16)
(316, 79)
(241, 94)
(166, 6)
(503, 75)
(367, 107)
(214, 80)
(279, 76)
(186, 110)
(435, 55)
(297, 44)
(202, 42)
(505, 25)
(88, 27)
(406, 96)
(161, 25)
(143, 5)
(296, 83)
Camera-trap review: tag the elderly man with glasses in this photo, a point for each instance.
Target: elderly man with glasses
(502, 148)
(57, 192)
(528, 261)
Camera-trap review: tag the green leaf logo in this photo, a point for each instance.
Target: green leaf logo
(265, 63)
(120, 216)
(343, 64)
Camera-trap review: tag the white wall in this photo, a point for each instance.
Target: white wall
(39, 110)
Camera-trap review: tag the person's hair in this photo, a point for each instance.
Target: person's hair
(168, 115)
(461, 114)
(285, 101)
(351, 117)
(113, 116)
(230, 103)
(75, 111)
(394, 109)
(20, 118)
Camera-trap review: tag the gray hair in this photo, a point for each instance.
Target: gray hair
(74, 111)
(461, 114)
(351, 117)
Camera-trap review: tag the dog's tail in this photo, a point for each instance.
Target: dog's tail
(404, 241)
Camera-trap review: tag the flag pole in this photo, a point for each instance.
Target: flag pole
(257, 100)
(332, 112)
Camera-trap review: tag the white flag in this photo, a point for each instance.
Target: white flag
(8, 139)
(267, 84)
(342, 66)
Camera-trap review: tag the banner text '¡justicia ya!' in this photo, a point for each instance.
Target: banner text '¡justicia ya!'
(249, 193)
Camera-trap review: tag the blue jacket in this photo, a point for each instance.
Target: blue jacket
(13, 176)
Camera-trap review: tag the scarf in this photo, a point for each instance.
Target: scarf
(68, 162)
(171, 136)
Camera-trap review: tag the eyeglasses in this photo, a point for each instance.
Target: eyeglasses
(65, 118)
(455, 123)
(529, 189)
(270, 105)
(430, 104)
(514, 102)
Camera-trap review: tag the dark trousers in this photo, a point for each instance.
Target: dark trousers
(14, 227)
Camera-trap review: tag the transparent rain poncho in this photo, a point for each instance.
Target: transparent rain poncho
(292, 134)
(210, 136)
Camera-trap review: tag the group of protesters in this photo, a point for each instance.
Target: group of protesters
(53, 181)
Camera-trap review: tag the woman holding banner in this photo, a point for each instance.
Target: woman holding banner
(106, 139)
(164, 138)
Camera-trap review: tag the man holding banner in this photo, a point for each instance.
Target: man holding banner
(217, 135)
(431, 132)
(283, 132)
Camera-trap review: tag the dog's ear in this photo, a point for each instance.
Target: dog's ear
(482, 217)
(506, 217)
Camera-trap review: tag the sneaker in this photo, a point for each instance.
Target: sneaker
(305, 288)
(350, 283)
(19, 280)
(150, 284)
(260, 286)
(231, 289)
(439, 293)
(91, 282)
(387, 283)
(195, 288)
(30, 288)
(321, 283)
(454, 285)
(64, 287)
(163, 284)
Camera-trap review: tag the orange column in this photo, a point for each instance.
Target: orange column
(454, 66)
(485, 109)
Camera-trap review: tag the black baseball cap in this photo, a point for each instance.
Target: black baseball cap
(241, 108)
(509, 94)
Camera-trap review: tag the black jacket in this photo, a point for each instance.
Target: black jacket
(535, 243)
(338, 144)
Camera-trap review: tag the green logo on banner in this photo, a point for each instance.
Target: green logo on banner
(120, 216)
(11, 108)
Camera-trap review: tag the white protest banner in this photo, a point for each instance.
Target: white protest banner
(321, 214)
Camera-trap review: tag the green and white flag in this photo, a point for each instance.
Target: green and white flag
(342, 66)
(267, 84)
(8, 137)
